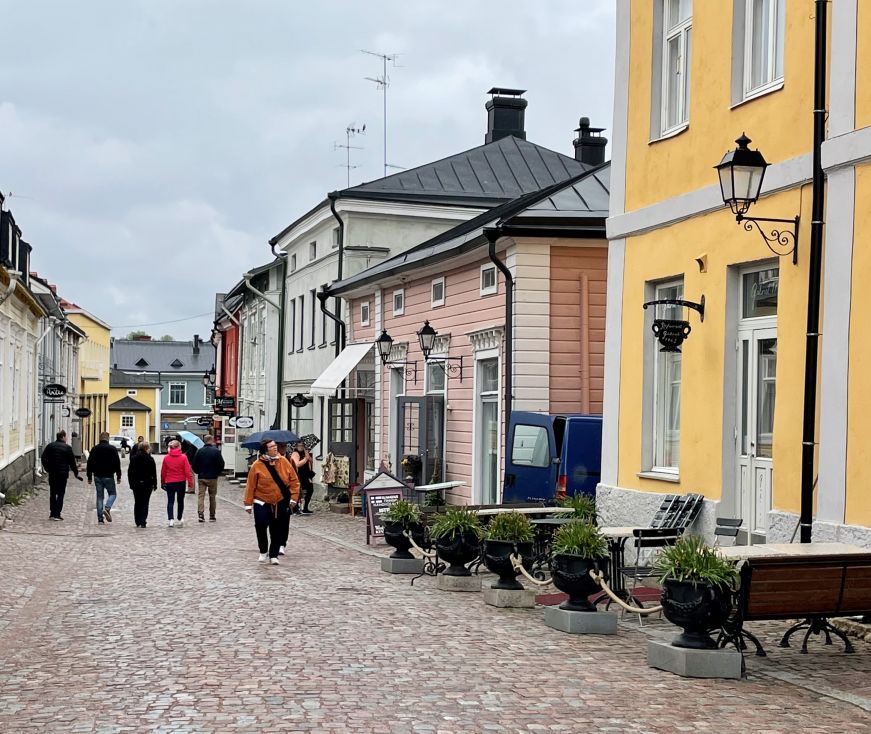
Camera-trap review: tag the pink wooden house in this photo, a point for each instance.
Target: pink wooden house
(534, 341)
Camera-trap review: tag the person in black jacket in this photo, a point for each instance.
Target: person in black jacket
(58, 461)
(189, 450)
(142, 478)
(103, 466)
(208, 464)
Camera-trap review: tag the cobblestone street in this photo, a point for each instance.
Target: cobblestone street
(114, 629)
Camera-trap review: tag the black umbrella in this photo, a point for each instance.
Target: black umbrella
(309, 441)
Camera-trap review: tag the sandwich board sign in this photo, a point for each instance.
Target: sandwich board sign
(380, 492)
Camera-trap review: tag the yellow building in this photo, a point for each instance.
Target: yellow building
(134, 405)
(723, 416)
(93, 373)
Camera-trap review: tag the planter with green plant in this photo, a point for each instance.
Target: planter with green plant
(578, 548)
(400, 517)
(508, 534)
(457, 535)
(697, 589)
(581, 506)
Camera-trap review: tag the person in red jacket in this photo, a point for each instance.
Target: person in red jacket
(175, 472)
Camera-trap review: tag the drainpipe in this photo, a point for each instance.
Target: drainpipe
(492, 234)
(809, 419)
(340, 343)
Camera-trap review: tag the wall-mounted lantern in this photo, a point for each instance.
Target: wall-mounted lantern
(741, 173)
(451, 366)
(671, 333)
(209, 378)
(384, 345)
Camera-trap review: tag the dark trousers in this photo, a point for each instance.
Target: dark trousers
(141, 498)
(307, 493)
(57, 487)
(174, 492)
(268, 524)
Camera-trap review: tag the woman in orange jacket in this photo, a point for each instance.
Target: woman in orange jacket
(271, 482)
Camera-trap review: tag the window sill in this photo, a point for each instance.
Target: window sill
(483, 294)
(761, 92)
(311, 347)
(659, 476)
(321, 346)
(670, 134)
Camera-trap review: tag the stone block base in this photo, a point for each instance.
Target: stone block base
(510, 598)
(581, 623)
(402, 565)
(458, 583)
(721, 663)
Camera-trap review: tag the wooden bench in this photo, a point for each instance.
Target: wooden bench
(810, 588)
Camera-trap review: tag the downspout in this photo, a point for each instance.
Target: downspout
(322, 297)
(39, 407)
(492, 234)
(340, 343)
(809, 419)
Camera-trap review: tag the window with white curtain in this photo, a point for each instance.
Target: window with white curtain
(677, 27)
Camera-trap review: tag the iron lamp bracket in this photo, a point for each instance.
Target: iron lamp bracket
(409, 369)
(781, 241)
(700, 306)
(451, 366)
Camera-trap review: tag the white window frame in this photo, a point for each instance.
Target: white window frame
(659, 415)
(401, 309)
(364, 313)
(490, 289)
(335, 238)
(435, 367)
(683, 32)
(293, 263)
(132, 393)
(776, 25)
(313, 251)
(132, 421)
(436, 302)
(184, 387)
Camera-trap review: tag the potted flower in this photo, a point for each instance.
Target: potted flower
(400, 517)
(457, 535)
(581, 506)
(578, 547)
(697, 586)
(508, 534)
(411, 465)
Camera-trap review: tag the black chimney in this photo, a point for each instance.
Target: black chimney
(589, 145)
(196, 343)
(505, 114)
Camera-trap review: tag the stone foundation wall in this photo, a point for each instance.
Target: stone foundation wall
(782, 525)
(619, 507)
(16, 480)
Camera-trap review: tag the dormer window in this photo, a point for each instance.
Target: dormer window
(142, 362)
(177, 363)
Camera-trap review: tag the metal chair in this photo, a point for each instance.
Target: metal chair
(645, 539)
(727, 527)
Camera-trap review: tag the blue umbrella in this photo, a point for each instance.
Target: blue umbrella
(279, 436)
(253, 441)
(192, 438)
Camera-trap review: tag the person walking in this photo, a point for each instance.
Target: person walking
(207, 465)
(175, 472)
(304, 465)
(103, 467)
(136, 447)
(269, 479)
(142, 478)
(284, 506)
(58, 461)
(189, 450)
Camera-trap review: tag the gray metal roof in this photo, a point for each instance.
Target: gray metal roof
(128, 403)
(117, 378)
(582, 202)
(494, 172)
(160, 356)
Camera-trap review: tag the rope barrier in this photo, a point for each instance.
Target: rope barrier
(517, 563)
(425, 554)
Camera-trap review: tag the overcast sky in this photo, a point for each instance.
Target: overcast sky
(152, 147)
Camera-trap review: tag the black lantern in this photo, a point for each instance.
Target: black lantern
(741, 172)
(426, 336)
(384, 344)
(209, 378)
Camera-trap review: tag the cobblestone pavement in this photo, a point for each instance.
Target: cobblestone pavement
(114, 629)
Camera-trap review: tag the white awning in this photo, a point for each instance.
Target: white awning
(339, 369)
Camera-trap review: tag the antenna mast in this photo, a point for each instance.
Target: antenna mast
(350, 131)
(383, 82)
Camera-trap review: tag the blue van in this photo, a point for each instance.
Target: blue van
(551, 456)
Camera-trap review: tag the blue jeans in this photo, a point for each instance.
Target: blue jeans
(102, 484)
(174, 491)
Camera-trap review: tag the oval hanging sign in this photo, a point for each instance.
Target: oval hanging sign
(83, 412)
(299, 400)
(53, 390)
(244, 421)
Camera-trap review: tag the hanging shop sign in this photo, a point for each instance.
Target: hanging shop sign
(83, 412)
(205, 421)
(225, 403)
(54, 390)
(242, 421)
(299, 400)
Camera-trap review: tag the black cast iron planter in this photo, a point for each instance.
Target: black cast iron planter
(497, 558)
(571, 574)
(458, 550)
(698, 609)
(394, 534)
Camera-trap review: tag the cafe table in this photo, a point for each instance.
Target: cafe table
(773, 550)
(617, 537)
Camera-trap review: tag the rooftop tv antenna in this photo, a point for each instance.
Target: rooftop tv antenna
(383, 82)
(350, 132)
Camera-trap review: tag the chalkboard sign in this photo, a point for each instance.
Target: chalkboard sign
(378, 501)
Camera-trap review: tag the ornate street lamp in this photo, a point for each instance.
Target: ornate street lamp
(384, 344)
(741, 173)
(427, 336)
(209, 378)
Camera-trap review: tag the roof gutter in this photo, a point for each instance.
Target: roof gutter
(493, 234)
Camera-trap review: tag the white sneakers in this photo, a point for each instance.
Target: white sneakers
(273, 561)
(171, 523)
(281, 551)
(264, 558)
(180, 523)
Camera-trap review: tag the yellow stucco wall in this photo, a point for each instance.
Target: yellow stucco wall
(146, 396)
(858, 500)
(670, 252)
(779, 123)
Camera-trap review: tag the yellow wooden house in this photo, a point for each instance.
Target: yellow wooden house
(134, 405)
(723, 416)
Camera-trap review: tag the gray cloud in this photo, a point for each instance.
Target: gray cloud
(153, 146)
